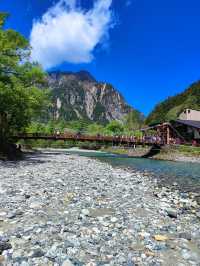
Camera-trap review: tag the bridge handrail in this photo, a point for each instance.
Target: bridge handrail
(122, 139)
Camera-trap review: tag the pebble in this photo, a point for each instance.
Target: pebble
(85, 212)
(113, 219)
(160, 238)
(2, 259)
(37, 253)
(67, 263)
(35, 205)
(172, 213)
(4, 245)
(185, 236)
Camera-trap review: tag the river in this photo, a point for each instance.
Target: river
(185, 174)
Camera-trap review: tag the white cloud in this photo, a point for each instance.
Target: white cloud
(68, 33)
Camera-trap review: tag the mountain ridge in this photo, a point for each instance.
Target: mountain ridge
(78, 95)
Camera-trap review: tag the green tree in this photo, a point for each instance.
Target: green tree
(95, 129)
(21, 95)
(78, 125)
(114, 128)
(134, 120)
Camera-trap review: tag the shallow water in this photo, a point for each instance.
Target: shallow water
(185, 174)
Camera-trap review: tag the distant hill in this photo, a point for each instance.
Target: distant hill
(173, 106)
(78, 96)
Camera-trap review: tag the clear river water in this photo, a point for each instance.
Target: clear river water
(185, 174)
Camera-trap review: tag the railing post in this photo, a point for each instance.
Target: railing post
(168, 135)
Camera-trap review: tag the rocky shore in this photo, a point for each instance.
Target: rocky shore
(166, 154)
(65, 210)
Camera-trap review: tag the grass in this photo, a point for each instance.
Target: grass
(189, 150)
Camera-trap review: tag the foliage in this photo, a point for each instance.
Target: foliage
(94, 129)
(20, 97)
(134, 120)
(78, 126)
(173, 106)
(189, 150)
(115, 128)
(84, 127)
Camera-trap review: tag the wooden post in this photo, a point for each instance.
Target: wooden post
(168, 135)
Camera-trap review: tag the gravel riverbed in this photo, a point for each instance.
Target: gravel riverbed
(65, 210)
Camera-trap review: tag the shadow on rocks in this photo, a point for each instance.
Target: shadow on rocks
(11, 151)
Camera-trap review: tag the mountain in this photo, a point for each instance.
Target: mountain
(173, 106)
(79, 96)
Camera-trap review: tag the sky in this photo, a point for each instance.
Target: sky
(147, 49)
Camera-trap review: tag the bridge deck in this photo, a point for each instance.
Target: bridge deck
(99, 139)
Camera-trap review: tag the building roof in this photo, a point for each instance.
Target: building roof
(190, 123)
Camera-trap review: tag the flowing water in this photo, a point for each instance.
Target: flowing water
(185, 174)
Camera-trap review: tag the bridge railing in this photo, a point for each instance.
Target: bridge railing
(80, 137)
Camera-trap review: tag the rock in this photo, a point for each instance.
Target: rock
(68, 197)
(185, 235)
(37, 253)
(137, 247)
(67, 263)
(4, 245)
(11, 215)
(144, 235)
(24, 263)
(36, 205)
(85, 212)
(198, 215)
(130, 263)
(186, 254)
(160, 238)
(91, 264)
(2, 259)
(3, 214)
(171, 245)
(68, 244)
(172, 213)
(149, 253)
(197, 199)
(113, 219)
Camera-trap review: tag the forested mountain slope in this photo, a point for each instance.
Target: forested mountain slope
(173, 106)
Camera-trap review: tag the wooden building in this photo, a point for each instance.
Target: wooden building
(189, 130)
(184, 130)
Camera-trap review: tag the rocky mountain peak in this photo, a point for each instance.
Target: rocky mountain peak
(81, 75)
(77, 95)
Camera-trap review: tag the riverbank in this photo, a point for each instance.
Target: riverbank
(167, 153)
(58, 209)
(177, 153)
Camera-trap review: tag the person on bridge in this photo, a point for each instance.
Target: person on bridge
(57, 133)
(78, 134)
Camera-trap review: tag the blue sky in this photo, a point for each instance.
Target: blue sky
(148, 50)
